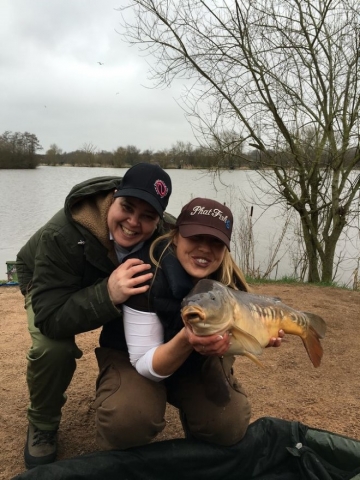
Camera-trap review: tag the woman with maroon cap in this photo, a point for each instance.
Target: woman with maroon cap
(175, 365)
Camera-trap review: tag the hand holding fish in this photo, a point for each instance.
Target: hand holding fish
(276, 341)
(211, 345)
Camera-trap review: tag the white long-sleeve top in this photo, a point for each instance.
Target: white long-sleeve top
(144, 333)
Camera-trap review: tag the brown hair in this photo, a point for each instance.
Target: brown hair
(228, 273)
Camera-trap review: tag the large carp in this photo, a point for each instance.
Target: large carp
(252, 319)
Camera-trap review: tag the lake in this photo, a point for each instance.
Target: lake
(30, 197)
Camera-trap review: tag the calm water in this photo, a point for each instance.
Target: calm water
(30, 197)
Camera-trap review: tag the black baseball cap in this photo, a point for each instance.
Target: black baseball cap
(202, 216)
(149, 183)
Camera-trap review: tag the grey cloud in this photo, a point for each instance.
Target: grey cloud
(52, 85)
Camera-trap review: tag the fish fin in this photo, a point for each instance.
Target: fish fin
(313, 346)
(270, 299)
(254, 359)
(246, 342)
(317, 323)
(254, 297)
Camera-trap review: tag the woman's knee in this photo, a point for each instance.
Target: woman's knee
(55, 351)
(122, 430)
(224, 430)
(222, 425)
(129, 408)
(231, 429)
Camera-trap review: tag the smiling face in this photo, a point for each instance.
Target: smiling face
(200, 255)
(131, 221)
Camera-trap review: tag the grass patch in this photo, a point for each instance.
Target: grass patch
(293, 281)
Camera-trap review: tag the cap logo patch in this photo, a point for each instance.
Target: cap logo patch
(160, 188)
(213, 212)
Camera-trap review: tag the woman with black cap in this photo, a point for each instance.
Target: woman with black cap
(75, 272)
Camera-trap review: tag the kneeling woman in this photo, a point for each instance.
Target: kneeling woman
(168, 363)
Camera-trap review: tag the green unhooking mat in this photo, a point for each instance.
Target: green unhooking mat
(272, 449)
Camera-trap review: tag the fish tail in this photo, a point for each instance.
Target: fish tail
(317, 323)
(313, 346)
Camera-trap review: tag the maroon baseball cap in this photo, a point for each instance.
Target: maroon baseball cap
(203, 216)
(149, 182)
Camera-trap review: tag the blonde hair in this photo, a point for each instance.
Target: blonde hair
(228, 273)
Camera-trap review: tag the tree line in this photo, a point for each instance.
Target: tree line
(20, 151)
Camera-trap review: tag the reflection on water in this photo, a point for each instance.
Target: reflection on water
(30, 197)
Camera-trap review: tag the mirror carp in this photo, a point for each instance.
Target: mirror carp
(252, 319)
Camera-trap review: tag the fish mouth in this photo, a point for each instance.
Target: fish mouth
(192, 314)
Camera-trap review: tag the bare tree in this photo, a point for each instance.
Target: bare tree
(119, 157)
(182, 154)
(53, 155)
(283, 75)
(132, 155)
(88, 154)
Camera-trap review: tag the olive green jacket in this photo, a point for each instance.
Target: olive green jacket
(65, 265)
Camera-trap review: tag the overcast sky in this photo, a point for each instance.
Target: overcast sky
(52, 85)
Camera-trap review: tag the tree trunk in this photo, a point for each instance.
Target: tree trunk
(311, 253)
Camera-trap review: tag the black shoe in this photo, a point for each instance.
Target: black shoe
(40, 447)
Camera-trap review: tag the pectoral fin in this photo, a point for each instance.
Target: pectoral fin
(254, 359)
(244, 344)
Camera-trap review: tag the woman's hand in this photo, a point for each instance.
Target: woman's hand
(211, 345)
(218, 345)
(276, 341)
(122, 283)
